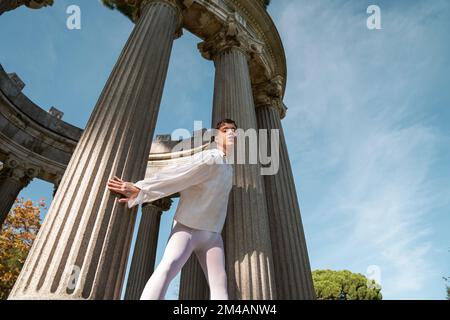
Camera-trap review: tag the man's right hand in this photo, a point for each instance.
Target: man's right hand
(124, 188)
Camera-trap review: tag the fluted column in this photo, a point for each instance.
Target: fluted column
(193, 283)
(144, 255)
(246, 233)
(13, 178)
(56, 184)
(82, 248)
(292, 268)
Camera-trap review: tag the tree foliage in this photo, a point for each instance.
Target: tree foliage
(339, 285)
(447, 280)
(16, 238)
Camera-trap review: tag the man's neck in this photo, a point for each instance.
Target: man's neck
(222, 148)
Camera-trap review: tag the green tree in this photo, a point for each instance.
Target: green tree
(339, 285)
(16, 238)
(447, 281)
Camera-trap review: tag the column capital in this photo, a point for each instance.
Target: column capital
(18, 168)
(231, 36)
(8, 5)
(270, 94)
(19, 174)
(163, 204)
(139, 5)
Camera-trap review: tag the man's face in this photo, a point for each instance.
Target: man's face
(226, 134)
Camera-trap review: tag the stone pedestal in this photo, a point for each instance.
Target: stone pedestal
(82, 248)
(144, 255)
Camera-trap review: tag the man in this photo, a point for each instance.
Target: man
(204, 183)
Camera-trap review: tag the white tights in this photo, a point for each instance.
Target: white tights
(208, 247)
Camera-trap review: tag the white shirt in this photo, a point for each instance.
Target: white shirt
(204, 182)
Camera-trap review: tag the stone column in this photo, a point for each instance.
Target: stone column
(246, 233)
(193, 283)
(13, 178)
(144, 255)
(292, 269)
(56, 184)
(82, 248)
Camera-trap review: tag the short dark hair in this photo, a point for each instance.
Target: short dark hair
(223, 121)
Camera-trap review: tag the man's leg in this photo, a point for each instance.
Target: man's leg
(177, 252)
(212, 261)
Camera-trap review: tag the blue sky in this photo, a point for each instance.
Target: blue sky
(367, 127)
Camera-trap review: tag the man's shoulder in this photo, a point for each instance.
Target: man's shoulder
(210, 156)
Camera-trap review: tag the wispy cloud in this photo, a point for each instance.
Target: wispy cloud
(365, 151)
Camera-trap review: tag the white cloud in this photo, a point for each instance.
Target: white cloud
(363, 150)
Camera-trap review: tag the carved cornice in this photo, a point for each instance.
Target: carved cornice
(18, 170)
(266, 30)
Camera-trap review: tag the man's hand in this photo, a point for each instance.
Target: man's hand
(124, 188)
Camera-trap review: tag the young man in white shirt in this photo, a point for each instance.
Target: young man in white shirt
(204, 183)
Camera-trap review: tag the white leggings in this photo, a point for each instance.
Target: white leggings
(183, 240)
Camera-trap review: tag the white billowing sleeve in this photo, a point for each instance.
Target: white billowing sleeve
(174, 178)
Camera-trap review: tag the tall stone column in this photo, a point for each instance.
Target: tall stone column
(82, 248)
(292, 268)
(144, 255)
(13, 178)
(246, 233)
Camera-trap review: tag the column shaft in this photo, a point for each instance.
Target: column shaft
(246, 233)
(82, 248)
(144, 255)
(193, 283)
(12, 182)
(292, 268)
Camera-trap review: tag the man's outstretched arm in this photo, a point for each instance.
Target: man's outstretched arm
(167, 181)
